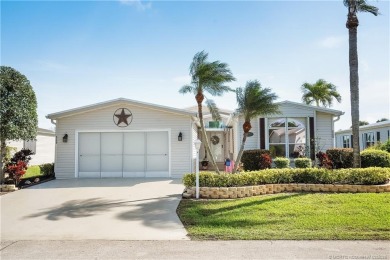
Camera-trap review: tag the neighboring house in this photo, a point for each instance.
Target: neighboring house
(127, 138)
(43, 146)
(369, 135)
(298, 129)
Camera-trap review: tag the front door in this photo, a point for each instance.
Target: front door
(217, 141)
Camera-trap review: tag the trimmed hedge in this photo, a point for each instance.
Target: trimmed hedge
(365, 176)
(375, 158)
(282, 162)
(47, 168)
(341, 157)
(252, 159)
(302, 163)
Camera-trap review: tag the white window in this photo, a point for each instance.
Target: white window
(369, 139)
(287, 140)
(346, 143)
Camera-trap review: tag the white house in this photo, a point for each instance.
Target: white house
(369, 135)
(127, 138)
(43, 146)
(298, 129)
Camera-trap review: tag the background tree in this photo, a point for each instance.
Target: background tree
(207, 77)
(18, 110)
(362, 123)
(355, 6)
(253, 101)
(382, 119)
(320, 92)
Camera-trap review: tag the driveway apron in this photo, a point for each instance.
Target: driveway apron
(112, 209)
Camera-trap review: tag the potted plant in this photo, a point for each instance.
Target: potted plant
(205, 164)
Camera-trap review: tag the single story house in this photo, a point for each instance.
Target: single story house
(43, 146)
(128, 138)
(369, 135)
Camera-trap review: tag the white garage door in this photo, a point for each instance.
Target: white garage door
(129, 154)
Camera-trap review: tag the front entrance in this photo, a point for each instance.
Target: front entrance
(123, 154)
(217, 141)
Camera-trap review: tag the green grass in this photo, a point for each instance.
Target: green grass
(33, 171)
(289, 216)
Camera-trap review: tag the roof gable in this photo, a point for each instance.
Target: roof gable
(304, 106)
(100, 105)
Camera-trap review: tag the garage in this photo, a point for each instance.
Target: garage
(124, 138)
(123, 154)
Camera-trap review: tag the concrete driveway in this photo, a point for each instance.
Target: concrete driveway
(110, 209)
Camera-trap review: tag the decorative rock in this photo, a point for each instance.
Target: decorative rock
(36, 180)
(27, 182)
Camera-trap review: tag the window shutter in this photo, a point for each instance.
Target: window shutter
(262, 133)
(312, 138)
(351, 141)
(378, 136)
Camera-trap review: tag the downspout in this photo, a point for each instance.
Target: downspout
(55, 146)
(333, 133)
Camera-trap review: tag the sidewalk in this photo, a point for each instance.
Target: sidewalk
(104, 249)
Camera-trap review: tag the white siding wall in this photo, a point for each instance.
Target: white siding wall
(44, 149)
(45, 146)
(324, 131)
(251, 142)
(144, 118)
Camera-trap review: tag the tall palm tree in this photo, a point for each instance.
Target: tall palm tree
(355, 6)
(207, 77)
(253, 101)
(320, 92)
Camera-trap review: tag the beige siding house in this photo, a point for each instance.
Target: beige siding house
(127, 138)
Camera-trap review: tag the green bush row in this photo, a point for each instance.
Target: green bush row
(366, 176)
(378, 158)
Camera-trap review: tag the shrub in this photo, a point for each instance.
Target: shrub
(47, 168)
(265, 161)
(366, 176)
(252, 160)
(324, 161)
(341, 157)
(302, 163)
(375, 158)
(386, 146)
(282, 162)
(17, 165)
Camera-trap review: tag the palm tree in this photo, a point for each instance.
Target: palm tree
(355, 6)
(253, 101)
(321, 92)
(207, 77)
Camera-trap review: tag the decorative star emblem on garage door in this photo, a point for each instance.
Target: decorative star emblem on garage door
(123, 117)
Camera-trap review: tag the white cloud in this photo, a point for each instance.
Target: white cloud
(332, 42)
(47, 65)
(137, 4)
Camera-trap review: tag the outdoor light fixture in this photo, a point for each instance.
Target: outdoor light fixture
(197, 144)
(180, 137)
(65, 138)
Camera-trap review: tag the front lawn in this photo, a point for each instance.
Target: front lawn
(349, 216)
(33, 171)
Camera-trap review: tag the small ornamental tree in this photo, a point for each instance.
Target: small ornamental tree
(18, 110)
(17, 166)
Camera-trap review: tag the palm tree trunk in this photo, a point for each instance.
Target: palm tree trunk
(238, 160)
(354, 87)
(199, 98)
(2, 155)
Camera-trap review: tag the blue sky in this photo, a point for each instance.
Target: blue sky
(77, 53)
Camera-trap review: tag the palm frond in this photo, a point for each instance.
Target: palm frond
(362, 6)
(186, 89)
(320, 92)
(213, 109)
